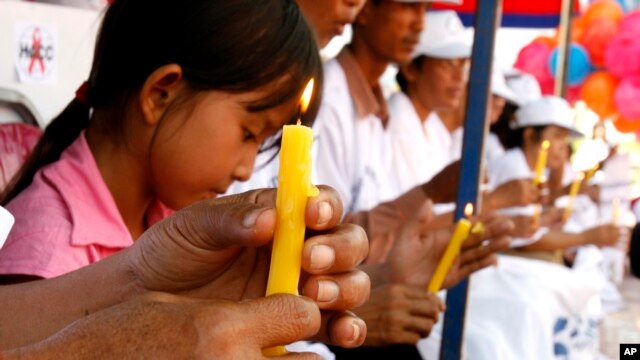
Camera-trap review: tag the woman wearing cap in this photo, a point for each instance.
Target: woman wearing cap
(548, 118)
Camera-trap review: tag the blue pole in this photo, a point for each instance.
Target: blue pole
(487, 18)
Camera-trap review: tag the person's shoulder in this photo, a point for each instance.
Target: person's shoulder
(335, 81)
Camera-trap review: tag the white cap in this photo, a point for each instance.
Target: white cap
(548, 110)
(525, 86)
(499, 86)
(6, 222)
(444, 37)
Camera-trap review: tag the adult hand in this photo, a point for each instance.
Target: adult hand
(524, 226)
(518, 192)
(416, 254)
(220, 249)
(552, 218)
(399, 314)
(443, 187)
(209, 329)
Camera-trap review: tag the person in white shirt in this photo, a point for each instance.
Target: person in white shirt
(433, 81)
(353, 156)
(426, 118)
(500, 95)
(548, 118)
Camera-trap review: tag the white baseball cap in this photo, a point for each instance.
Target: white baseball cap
(524, 85)
(547, 110)
(444, 37)
(499, 86)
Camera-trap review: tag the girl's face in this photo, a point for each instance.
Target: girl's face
(558, 138)
(199, 150)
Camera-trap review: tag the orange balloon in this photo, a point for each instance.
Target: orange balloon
(547, 40)
(626, 125)
(596, 38)
(597, 91)
(577, 29)
(608, 9)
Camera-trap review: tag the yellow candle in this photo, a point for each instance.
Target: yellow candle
(615, 211)
(591, 172)
(541, 163)
(294, 188)
(460, 234)
(573, 192)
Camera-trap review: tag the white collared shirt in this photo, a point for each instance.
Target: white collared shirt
(352, 152)
(421, 149)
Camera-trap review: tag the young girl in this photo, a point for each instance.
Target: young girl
(179, 99)
(548, 118)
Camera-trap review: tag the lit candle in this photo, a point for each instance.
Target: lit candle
(460, 234)
(541, 163)
(294, 188)
(573, 192)
(615, 211)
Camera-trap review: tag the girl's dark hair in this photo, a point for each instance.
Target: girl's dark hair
(227, 45)
(516, 139)
(502, 127)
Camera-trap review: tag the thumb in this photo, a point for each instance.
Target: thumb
(214, 225)
(280, 319)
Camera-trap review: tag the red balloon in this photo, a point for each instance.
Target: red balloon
(573, 93)
(534, 59)
(627, 97)
(597, 91)
(608, 9)
(596, 37)
(626, 125)
(631, 23)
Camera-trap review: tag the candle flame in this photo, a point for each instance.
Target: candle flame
(546, 144)
(305, 99)
(468, 210)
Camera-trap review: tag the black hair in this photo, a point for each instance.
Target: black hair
(502, 127)
(516, 139)
(227, 45)
(402, 80)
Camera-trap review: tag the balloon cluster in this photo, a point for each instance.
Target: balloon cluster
(604, 62)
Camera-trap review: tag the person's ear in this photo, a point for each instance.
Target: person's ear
(159, 90)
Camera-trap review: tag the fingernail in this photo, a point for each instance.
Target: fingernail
(322, 257)
(355, 334)
(324, 213)
(327, 291)
(250, 219)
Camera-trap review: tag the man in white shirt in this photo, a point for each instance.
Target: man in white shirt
(435, 80)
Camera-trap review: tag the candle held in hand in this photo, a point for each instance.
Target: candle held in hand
(573, 192)
(460, 234)
(294, 188)
(541, 163)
